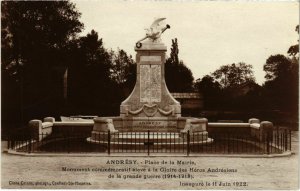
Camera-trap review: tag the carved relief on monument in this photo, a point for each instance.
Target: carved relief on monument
(150, 83)
(150, 110)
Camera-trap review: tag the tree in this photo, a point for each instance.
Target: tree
(282, 82)
(208, 85)
(34, 30)
(294, 50)
(98, 78)
(178, 77)
(121, 66)
(35, 35)
(211, 91)
(222, 75)
(234, 74)
(89, 76)
(277, 67)
(123, 71)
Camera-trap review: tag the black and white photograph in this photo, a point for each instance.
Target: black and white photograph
(150, 94)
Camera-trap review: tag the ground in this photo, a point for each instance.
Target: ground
(258, 173)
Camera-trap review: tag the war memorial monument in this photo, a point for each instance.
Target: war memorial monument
(150, 106)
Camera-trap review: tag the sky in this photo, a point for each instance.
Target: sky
(210, 33)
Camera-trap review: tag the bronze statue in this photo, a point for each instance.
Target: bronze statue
(154, 32)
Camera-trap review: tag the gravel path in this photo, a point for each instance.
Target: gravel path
(253, 173)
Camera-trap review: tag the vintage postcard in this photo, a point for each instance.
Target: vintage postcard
(160, 95)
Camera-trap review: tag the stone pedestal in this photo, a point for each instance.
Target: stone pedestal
(150, 96)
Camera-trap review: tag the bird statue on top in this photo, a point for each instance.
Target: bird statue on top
(154, 32)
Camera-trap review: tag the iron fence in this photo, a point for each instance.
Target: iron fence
(149, 142)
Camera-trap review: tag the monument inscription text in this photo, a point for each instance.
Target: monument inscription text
(150, 83)
(153, 124)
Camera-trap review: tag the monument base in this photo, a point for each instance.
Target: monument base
(130, 132)
(155, 140)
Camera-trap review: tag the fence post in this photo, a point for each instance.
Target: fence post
(148, 142)
(277, 136)
(188, 143)
(286, 140)
(68, 141)
(8, 143)
(29, 149)
(12, 144)
(228, 142)
(268, 142)
(108, 142)
(290, 140)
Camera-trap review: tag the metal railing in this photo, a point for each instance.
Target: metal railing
(149, 142)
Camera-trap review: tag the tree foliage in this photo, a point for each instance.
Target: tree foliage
(234, 74)
(33, 31)
(98, 78)
(89, 65)
(282, 82)
(211, 91)
(179, 78)
(121, 66)
(208, 85)
(277, 67)
(294, 50)
(35, 35)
